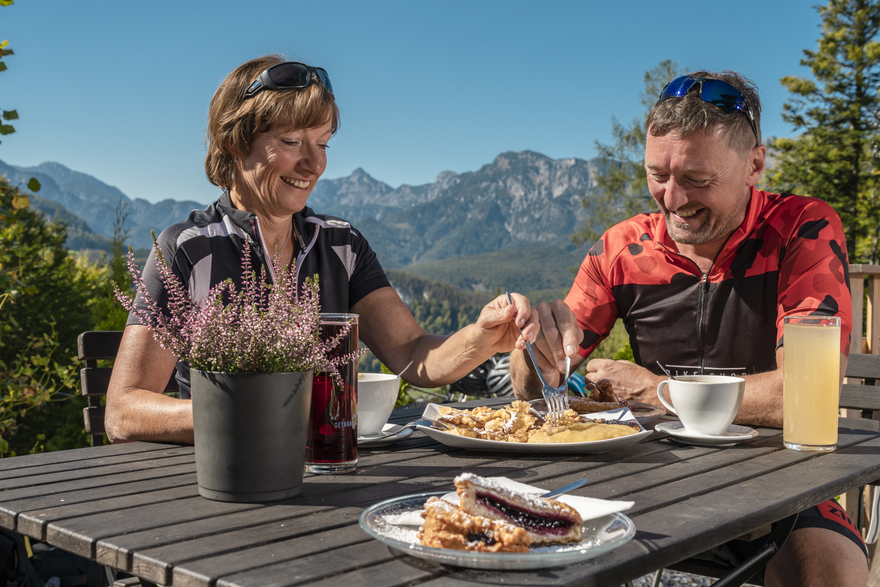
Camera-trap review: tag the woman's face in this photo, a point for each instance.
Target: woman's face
(281, 170)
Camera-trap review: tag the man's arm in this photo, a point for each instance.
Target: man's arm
(136, 407)
(762, 402)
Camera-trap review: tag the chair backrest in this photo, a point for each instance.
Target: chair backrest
(93, 347)
(864, 396)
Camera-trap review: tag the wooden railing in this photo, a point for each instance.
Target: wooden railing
(866, 340)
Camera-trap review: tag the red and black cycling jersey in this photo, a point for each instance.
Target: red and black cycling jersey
(788, 257)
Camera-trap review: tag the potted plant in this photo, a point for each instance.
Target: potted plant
(252, 351)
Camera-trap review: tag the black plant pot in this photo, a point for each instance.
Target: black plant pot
(250, 434)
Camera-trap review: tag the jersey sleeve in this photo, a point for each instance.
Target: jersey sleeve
(814, 270)
(592, 300)
(368, 275)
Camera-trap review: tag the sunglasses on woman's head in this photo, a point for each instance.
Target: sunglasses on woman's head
(290, 75)
(713, 91)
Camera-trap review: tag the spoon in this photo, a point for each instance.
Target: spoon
(564, 489)
(668, 374)
(404, 369)
(420, 422)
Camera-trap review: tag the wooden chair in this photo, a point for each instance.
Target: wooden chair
(92, 347)
(865, 397)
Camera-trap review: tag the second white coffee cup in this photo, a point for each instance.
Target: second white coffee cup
(705, 404)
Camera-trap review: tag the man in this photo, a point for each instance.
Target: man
(703, 285)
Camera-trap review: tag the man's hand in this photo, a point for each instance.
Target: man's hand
(558, 337)
(628, 380)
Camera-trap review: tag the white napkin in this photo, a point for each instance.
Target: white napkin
(588, 507)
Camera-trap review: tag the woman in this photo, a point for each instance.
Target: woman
(268, 128)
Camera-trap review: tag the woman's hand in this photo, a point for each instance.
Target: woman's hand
(497, 329)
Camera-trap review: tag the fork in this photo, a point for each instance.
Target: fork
(553, 397)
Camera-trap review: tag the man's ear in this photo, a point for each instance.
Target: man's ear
(757, 159)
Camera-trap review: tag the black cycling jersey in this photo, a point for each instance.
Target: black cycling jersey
(206, 249)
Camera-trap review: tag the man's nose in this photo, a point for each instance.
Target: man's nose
(675, 196)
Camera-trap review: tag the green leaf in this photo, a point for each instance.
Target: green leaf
(2, 66)
(20, 202)
(10, 115)
(33, 185)
(6, 129)
(6, 2)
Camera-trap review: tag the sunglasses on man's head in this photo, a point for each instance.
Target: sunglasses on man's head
(713, 91)
(290, 75)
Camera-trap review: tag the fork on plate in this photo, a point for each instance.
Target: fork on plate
(555, 398)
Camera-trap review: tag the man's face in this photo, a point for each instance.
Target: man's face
(701, 184)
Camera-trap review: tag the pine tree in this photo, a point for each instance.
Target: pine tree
(831, 158)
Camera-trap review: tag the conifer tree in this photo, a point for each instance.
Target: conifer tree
(833, 111)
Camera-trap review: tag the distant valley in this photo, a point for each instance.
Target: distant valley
(505, 226)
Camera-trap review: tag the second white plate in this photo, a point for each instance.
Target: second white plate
(394, 433)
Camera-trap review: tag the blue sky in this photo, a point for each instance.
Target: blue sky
(120, 89)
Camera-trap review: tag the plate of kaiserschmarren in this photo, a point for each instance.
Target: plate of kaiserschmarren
(497, 523)
(519, 427)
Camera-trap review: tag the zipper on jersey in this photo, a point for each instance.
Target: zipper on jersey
(704, 293)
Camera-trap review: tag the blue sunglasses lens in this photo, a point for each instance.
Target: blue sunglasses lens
(723, 95)
(677, 88)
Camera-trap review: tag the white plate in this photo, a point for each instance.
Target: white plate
(599, 536)
(734, 434)
(432, 411)
(644, 413)
(397, 431)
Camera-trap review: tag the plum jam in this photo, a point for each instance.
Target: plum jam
(481, 537)
(540, 524)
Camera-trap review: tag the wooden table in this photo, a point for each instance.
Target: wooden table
(136, 507)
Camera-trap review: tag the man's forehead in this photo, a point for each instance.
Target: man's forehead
(693, 152)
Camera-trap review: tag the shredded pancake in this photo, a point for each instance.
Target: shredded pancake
(518, 422)
(447, 526)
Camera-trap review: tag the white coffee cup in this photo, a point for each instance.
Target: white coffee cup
(377, 393)
(705, 404)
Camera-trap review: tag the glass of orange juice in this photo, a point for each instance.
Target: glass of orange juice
(811, 382)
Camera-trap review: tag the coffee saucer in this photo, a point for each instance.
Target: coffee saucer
(390, 434)
(734, 435)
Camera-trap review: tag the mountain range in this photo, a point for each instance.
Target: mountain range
(521, 200)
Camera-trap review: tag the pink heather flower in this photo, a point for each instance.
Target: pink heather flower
(261, 328)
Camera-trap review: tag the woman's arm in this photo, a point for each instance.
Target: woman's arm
(136, 407)
(389, 329)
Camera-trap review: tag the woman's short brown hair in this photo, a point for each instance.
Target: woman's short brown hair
(690, 114)
(233, 120)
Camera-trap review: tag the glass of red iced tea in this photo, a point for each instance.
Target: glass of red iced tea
(331, 446)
